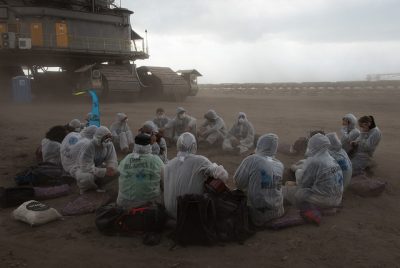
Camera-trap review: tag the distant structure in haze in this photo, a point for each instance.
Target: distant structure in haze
(379, 77)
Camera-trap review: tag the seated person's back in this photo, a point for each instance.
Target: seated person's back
(140, 175)
(186, 173)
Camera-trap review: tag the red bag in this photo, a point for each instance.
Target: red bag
(216, 185)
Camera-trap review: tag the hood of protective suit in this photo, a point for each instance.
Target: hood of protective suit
(88, 132)
(317, 144)
(99, 134)
(75, 124)
(186, 145)
(267, 145)
(211, 115)
(180, 110)
(352, 121)
(149, 126)
(336, 145)
(120, 117)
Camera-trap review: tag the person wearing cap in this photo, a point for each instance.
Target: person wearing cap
(213, 130)
(321, 181)
(158, 143)
(140, 175)
(187, 173)
(240, 136)
(121, 133)
(180, 124)
(260, 175)
(97, 161)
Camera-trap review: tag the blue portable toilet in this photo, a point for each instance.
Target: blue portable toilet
(21, 89)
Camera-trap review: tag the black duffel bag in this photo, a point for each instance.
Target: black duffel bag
(15, 196)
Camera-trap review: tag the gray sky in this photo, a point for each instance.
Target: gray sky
(271, 40)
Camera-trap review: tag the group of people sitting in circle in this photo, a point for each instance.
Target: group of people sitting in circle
(146, 175)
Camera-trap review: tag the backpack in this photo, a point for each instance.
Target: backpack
(15, 196)
(44, 174)
(233, 223)
(196, 220)
(112, 220)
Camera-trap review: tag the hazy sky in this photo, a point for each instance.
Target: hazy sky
(271, 40)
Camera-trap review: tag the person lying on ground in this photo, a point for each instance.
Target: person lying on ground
(187, 173)
(240, 136)
(260, 175)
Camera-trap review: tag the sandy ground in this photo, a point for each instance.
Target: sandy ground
(366, 233)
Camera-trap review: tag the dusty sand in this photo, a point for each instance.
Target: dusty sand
(366, 233)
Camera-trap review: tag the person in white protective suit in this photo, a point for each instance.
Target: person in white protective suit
(97, 159)
(50, 145)
(75, 125)
(365, 145)
(213, 130)
(187, 173)
(71, 146)
(240, 136)
(260, 175)
(180, 124)
(349, 132)
(161, 120)
(158, 143)
(122, 134)
(321, 182)
(140, 175)
(341, 157)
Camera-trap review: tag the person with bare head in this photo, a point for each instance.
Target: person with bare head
(50, 146)
(349, 132)
(365, 145)
(161, 120)
(122, 134)
(213, 130)
(180, 124)
(240, 136)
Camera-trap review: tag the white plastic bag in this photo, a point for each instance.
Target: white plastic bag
(35, 213)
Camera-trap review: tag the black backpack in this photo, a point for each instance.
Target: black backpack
(233, 224)
(44, 174)
(196, 220)
(113, 220)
